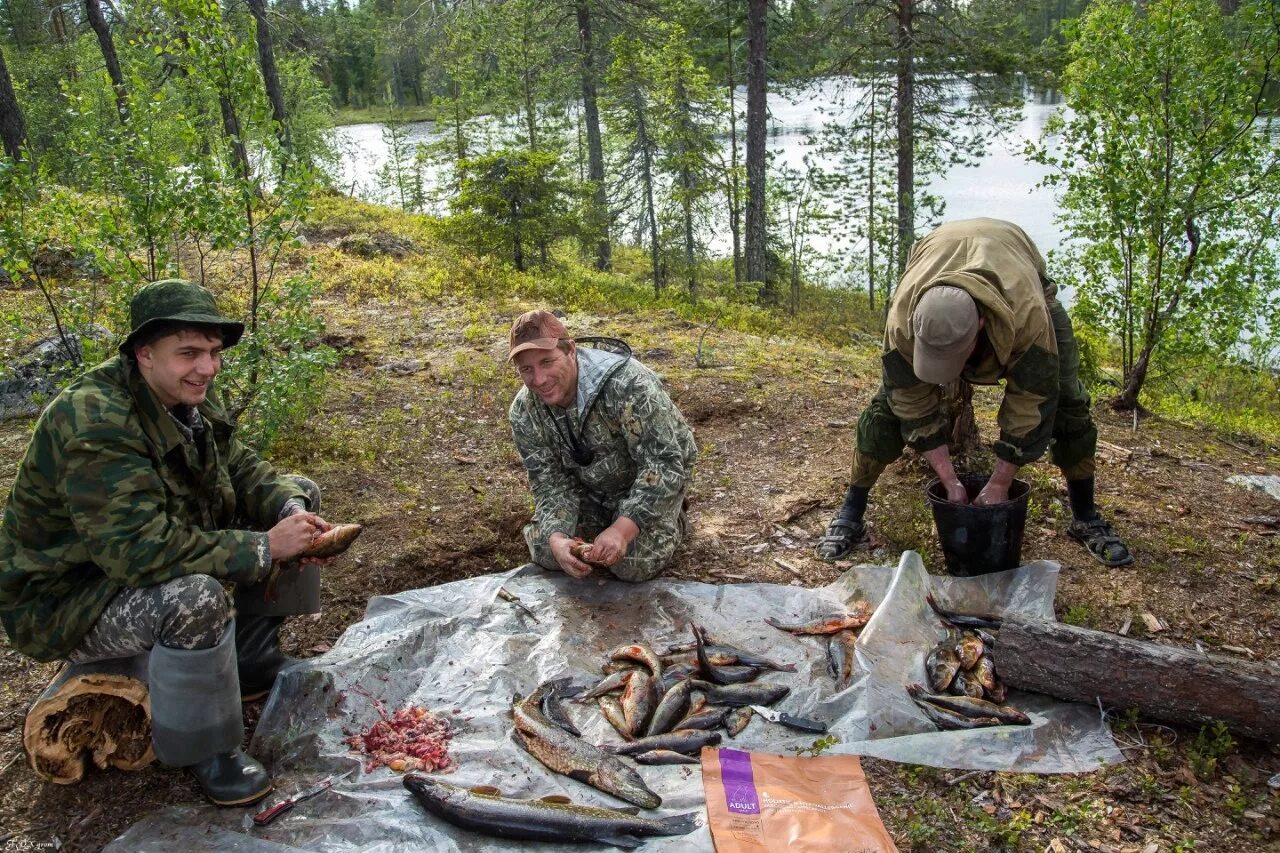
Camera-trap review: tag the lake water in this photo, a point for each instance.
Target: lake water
(1003, 184)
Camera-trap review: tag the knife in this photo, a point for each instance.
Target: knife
(270, 813)
(782, 718)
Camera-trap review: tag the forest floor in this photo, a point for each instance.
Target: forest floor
(412, 442)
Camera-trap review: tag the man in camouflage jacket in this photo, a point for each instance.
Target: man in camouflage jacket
(608, 455)
(132, 505)
(975, 303)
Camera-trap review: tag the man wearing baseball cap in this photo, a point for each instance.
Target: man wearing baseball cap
(133, 504)
(975, 303)
(608, 455)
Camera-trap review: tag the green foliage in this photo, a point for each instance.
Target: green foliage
(1212, 744)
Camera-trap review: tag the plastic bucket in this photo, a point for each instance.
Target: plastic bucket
(978, 540)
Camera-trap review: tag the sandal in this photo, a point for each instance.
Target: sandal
(842, 536)
(1100, 540)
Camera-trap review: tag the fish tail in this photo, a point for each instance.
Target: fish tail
(680, 824)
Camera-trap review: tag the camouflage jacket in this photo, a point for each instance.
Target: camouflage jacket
(111, 494)
(642, 450)
(998, 265)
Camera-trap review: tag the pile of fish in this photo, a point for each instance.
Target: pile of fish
(965, 692)
(841, 632)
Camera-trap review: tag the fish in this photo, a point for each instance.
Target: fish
(670, 709)
(737, 720)
(673, 675)
(486, 811)
(580, 548)
(506, 595)
(742, 694)
(969, 649)
(840, 656)
(639, 698)
(333, 541)
(998, 692)
(639, 652)
(985, 672)
(972, 707)
(966, 620)
(966, 685)
(611, 710)
(710, 671)
(949, 720)
(608, 684)
(721, 654)
(620, 666)
(664, 756)
(708, 717)
(681, 740)
(857, 618)
(553, 708)
(988, 639)
(573, 757)
(942, 664)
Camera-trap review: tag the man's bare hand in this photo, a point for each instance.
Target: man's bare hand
(560, 549)
(612, 543)
(956, 492)
(292, 535)
(992, 493)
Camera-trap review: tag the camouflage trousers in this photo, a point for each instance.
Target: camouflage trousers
(189, 612)
(650, 551)
(1075, 437)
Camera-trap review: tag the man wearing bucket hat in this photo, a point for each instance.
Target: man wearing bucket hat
(975, 303)
(608, 455)
(127, 515)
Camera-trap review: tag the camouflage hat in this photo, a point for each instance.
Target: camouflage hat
(175, 300)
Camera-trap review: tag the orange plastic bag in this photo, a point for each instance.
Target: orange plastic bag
(761, 803)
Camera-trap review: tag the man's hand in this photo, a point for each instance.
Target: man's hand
(292, 535)
(996, 491)
(939, 460)
(572, 566)
(612, 543)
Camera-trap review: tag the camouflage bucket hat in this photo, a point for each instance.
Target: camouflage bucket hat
(178, 301)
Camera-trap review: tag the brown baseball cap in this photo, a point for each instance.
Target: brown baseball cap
(945, 327)
(538, 329)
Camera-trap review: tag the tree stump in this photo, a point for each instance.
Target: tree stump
(100, 712)
(962, 427)
(1165, 683)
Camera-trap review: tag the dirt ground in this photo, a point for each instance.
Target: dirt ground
(412, 443)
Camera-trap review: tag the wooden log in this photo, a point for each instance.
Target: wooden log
(1165, 683)
(99, 712)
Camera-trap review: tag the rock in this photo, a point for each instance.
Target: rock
(377, 244)
(1269, 483)
(407, 367)
(35, 379)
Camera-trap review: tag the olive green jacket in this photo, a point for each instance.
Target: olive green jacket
(996, 263)
(112, 494)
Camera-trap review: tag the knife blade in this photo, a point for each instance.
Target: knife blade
(270, 813)
(782, 718)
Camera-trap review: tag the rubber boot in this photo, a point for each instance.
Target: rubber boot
(258, 656)
(196, 720)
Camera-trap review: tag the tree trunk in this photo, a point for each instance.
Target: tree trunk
(735, 192)
(231, 127)
(595, 148)
(93, 11)
(642, 140)
(270, 77)
(757, 114)
(686, 181)
(871, 200)
(962, 426)
(906, 107)
(1127, 399)
(13, 130)
(1162, 682)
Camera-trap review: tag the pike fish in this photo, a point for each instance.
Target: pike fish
(857, 618)
(486, 811)
(681, 740)
(575, 758)
(971, 707)
(742, 694)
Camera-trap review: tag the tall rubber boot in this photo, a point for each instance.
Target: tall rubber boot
(196, 720)
(258, 656)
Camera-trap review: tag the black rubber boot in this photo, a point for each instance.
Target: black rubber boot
(232, 778)
(258, 656)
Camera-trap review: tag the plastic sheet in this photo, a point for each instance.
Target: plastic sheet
(461, 650)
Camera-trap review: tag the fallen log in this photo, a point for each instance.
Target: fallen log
(97, 712)
(1166, 683)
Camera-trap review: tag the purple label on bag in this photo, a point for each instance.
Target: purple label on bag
(739, 782)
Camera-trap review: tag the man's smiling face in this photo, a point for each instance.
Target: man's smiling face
(179, 367)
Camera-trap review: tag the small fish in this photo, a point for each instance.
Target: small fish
(988, 639)
(841, 657)
(710, 671)
(639, 698)
(972, 707)
(681, 740)
(620, 666)
(857, 618)
(664, 756)
(942, 665)
(611, 710)
(737, 720)
(721, 654)
(998, 692)
(969, 649)
(742, 694)
(950, 720)
(486, 811)
(639, 652)
(966, 685)
(673, 675)
(553, 708)
(985, 672)
(708, 717)
(670, 709)
(580, 548)
(333, 541)
(610, 683)
(966, 620)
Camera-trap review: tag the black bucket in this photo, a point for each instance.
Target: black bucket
(978, 540)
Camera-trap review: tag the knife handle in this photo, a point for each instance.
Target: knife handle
(270, 813)
(802, 724)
